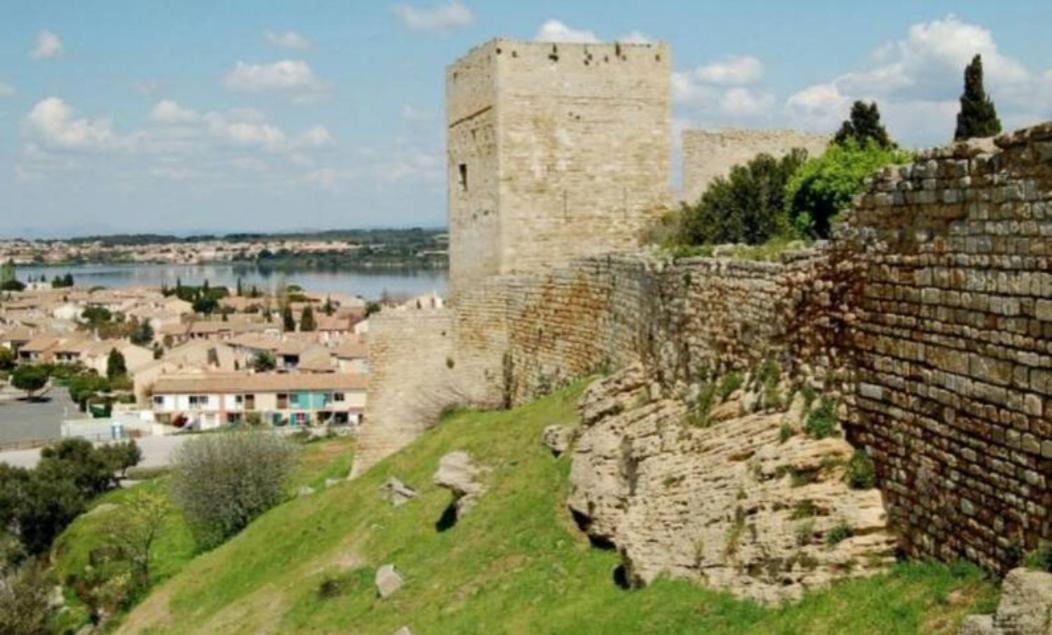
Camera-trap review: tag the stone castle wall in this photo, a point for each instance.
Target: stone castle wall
(953, 346)
(710, 154)
(549, 143)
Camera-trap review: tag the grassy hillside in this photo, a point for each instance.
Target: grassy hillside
(516, 564)
(71, 554)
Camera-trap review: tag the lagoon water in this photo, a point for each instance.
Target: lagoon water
(365, 282)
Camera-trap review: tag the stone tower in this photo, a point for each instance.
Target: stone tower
(555, 151)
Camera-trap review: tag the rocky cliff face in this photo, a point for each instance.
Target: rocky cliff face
(743, 502)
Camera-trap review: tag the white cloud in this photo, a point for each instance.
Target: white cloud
(916, 82)
(48, 46)
(731, 71)
(556, 31)
(316, 137)
(415, 115)
(53, 122)
(167, 111)
(439, 17)
(635, 37)
(724, 90)
(294, 77)
(6, 90)
(287, 40)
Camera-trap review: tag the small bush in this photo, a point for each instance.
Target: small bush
(699, 414)
(1041, 558)
(821, 423)
(785, 432)
(146, 473)
(729, 383)
(861, 473)
(223, 481)
(804, 509)
(838, 534)
(804, 531)
(25, 600)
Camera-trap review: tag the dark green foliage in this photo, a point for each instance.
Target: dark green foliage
(728, 384)
(223, 481)
(29, 378)
(38, 504)
(1040, 558)
(372, 307)
(307, 322)
(287, 319)
(804, 509)
(785, 432)
(205, 304)
(96, 315)
(824, 186)
(864, 126)
(263, 362)
(821, 422)
(838, 534)
(122, 455)
(978, 117)
(7, 358)
(115, 365)
(61, 282)
(861, 473)
(328, 308)
(12, 285)
(747, 207)
(143, 334)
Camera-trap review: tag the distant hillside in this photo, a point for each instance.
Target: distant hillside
(515, 564)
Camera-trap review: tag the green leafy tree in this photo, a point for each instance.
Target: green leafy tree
(7, 272)
(824, 186)
(115, 365)
(206, 304)
(134, 534)
(864, 126)
(307, 322)
(328, 308)
(7, 358)
(122, 455)
(96, 315)
(143, 334)
(221, 482)
(264, 362)
(25, 601)
(978, 117)
(29, 378)
(287, 319)
(746, 207)
(372, 307)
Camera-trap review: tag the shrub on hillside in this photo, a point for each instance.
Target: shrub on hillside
(25, 600)
(223, 481)
(824, 186)
(746, 207)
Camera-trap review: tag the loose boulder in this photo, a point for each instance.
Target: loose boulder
(558, 439)
(458, 473)
(396, 492)
(1025, 608)
(388, 581)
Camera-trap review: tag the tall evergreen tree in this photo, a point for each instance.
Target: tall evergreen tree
(863, 126)
(307, 322)
(978, 117)
(287, 319)
(115, 365)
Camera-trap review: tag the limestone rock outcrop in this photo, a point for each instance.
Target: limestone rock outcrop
(1025, 607)
(730, 505)
(458, 473)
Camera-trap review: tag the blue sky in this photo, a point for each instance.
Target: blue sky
(132, 115)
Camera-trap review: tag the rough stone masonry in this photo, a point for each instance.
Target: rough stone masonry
(931, 313)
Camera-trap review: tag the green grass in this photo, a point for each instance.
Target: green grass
(515, 564)
(330, 458)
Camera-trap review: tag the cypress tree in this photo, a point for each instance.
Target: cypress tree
(978, 117)
(864, 125)
(289, 322)
(307, 322)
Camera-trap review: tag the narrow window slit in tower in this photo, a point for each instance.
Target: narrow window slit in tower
(464, 177)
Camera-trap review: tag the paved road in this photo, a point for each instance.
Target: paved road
(22, 420)
(156, 452)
